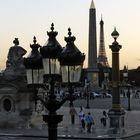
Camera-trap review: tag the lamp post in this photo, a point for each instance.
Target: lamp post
(43, 67)
(50, 52)
(87, 93)
(106, 78)
(128, 96)
(34, 69)
(116, 113)
(127, 85)
(71, 61)
(125, 74)
(35, 72)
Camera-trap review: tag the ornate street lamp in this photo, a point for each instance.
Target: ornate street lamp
(116, 113)
(125, 74)
(50, 52)
(71, 61)
(106, 78)
(34, 68)
(47, 58)
(87, 93)
(127, 85)
(33, 63)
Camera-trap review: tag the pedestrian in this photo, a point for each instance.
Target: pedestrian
(137, 94)
(72, 112)
(123, 94)
(104, 118)
(83, 119)
(80, 114)
(89, 122)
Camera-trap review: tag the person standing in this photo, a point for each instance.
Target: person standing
(104, 118)
(72, 112)
(89, 122)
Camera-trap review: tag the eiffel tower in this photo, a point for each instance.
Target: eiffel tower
(102, 59)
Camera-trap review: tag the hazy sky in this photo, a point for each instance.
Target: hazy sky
(25, 18)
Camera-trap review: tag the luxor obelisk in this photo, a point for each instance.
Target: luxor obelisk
(92, 71)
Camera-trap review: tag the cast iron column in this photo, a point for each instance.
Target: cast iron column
(116, 114)
(128, 96)
(52, 118)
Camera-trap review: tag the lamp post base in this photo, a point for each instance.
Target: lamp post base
(52, 121)
(87, 107)
(116, 118)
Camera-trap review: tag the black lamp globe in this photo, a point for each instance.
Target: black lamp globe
(33, 65)
(125, 72)
(115, 47)
(115, 34)
(50, 52)
(71, 61)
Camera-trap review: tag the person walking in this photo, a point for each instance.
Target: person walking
(83, 119)
(89, 122)
(104, 118)
(80, 114)
(72, 112)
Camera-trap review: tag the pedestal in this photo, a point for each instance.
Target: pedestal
(116, 118)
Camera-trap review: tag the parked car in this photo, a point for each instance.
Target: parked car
(95, 95)
(106, 95)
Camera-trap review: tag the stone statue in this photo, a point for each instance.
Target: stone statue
(14, 63)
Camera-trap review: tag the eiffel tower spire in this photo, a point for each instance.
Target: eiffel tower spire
(102, 58)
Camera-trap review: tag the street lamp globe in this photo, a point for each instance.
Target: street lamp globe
(34, 67)
(125, 72)
(115, 34)
(50, 52)
(71, 61)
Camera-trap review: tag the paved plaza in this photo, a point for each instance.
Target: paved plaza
(67, 130)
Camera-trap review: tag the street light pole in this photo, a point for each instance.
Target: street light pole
(71, 62)
(87, 93)
(50, 52)
(106, 78)
(36, 76)
(127, 85)
(128, 96)
(116, 113)
(44, 67)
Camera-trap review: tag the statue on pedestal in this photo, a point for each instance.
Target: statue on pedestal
(16, 103)
(14, 63)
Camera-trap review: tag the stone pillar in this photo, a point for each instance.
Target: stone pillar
(92, 71)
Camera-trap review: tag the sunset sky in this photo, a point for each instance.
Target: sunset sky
(25, 18)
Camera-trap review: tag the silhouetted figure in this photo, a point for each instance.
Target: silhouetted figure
(72, 113)
(89, 122)
(83, 119)
(104, 118)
